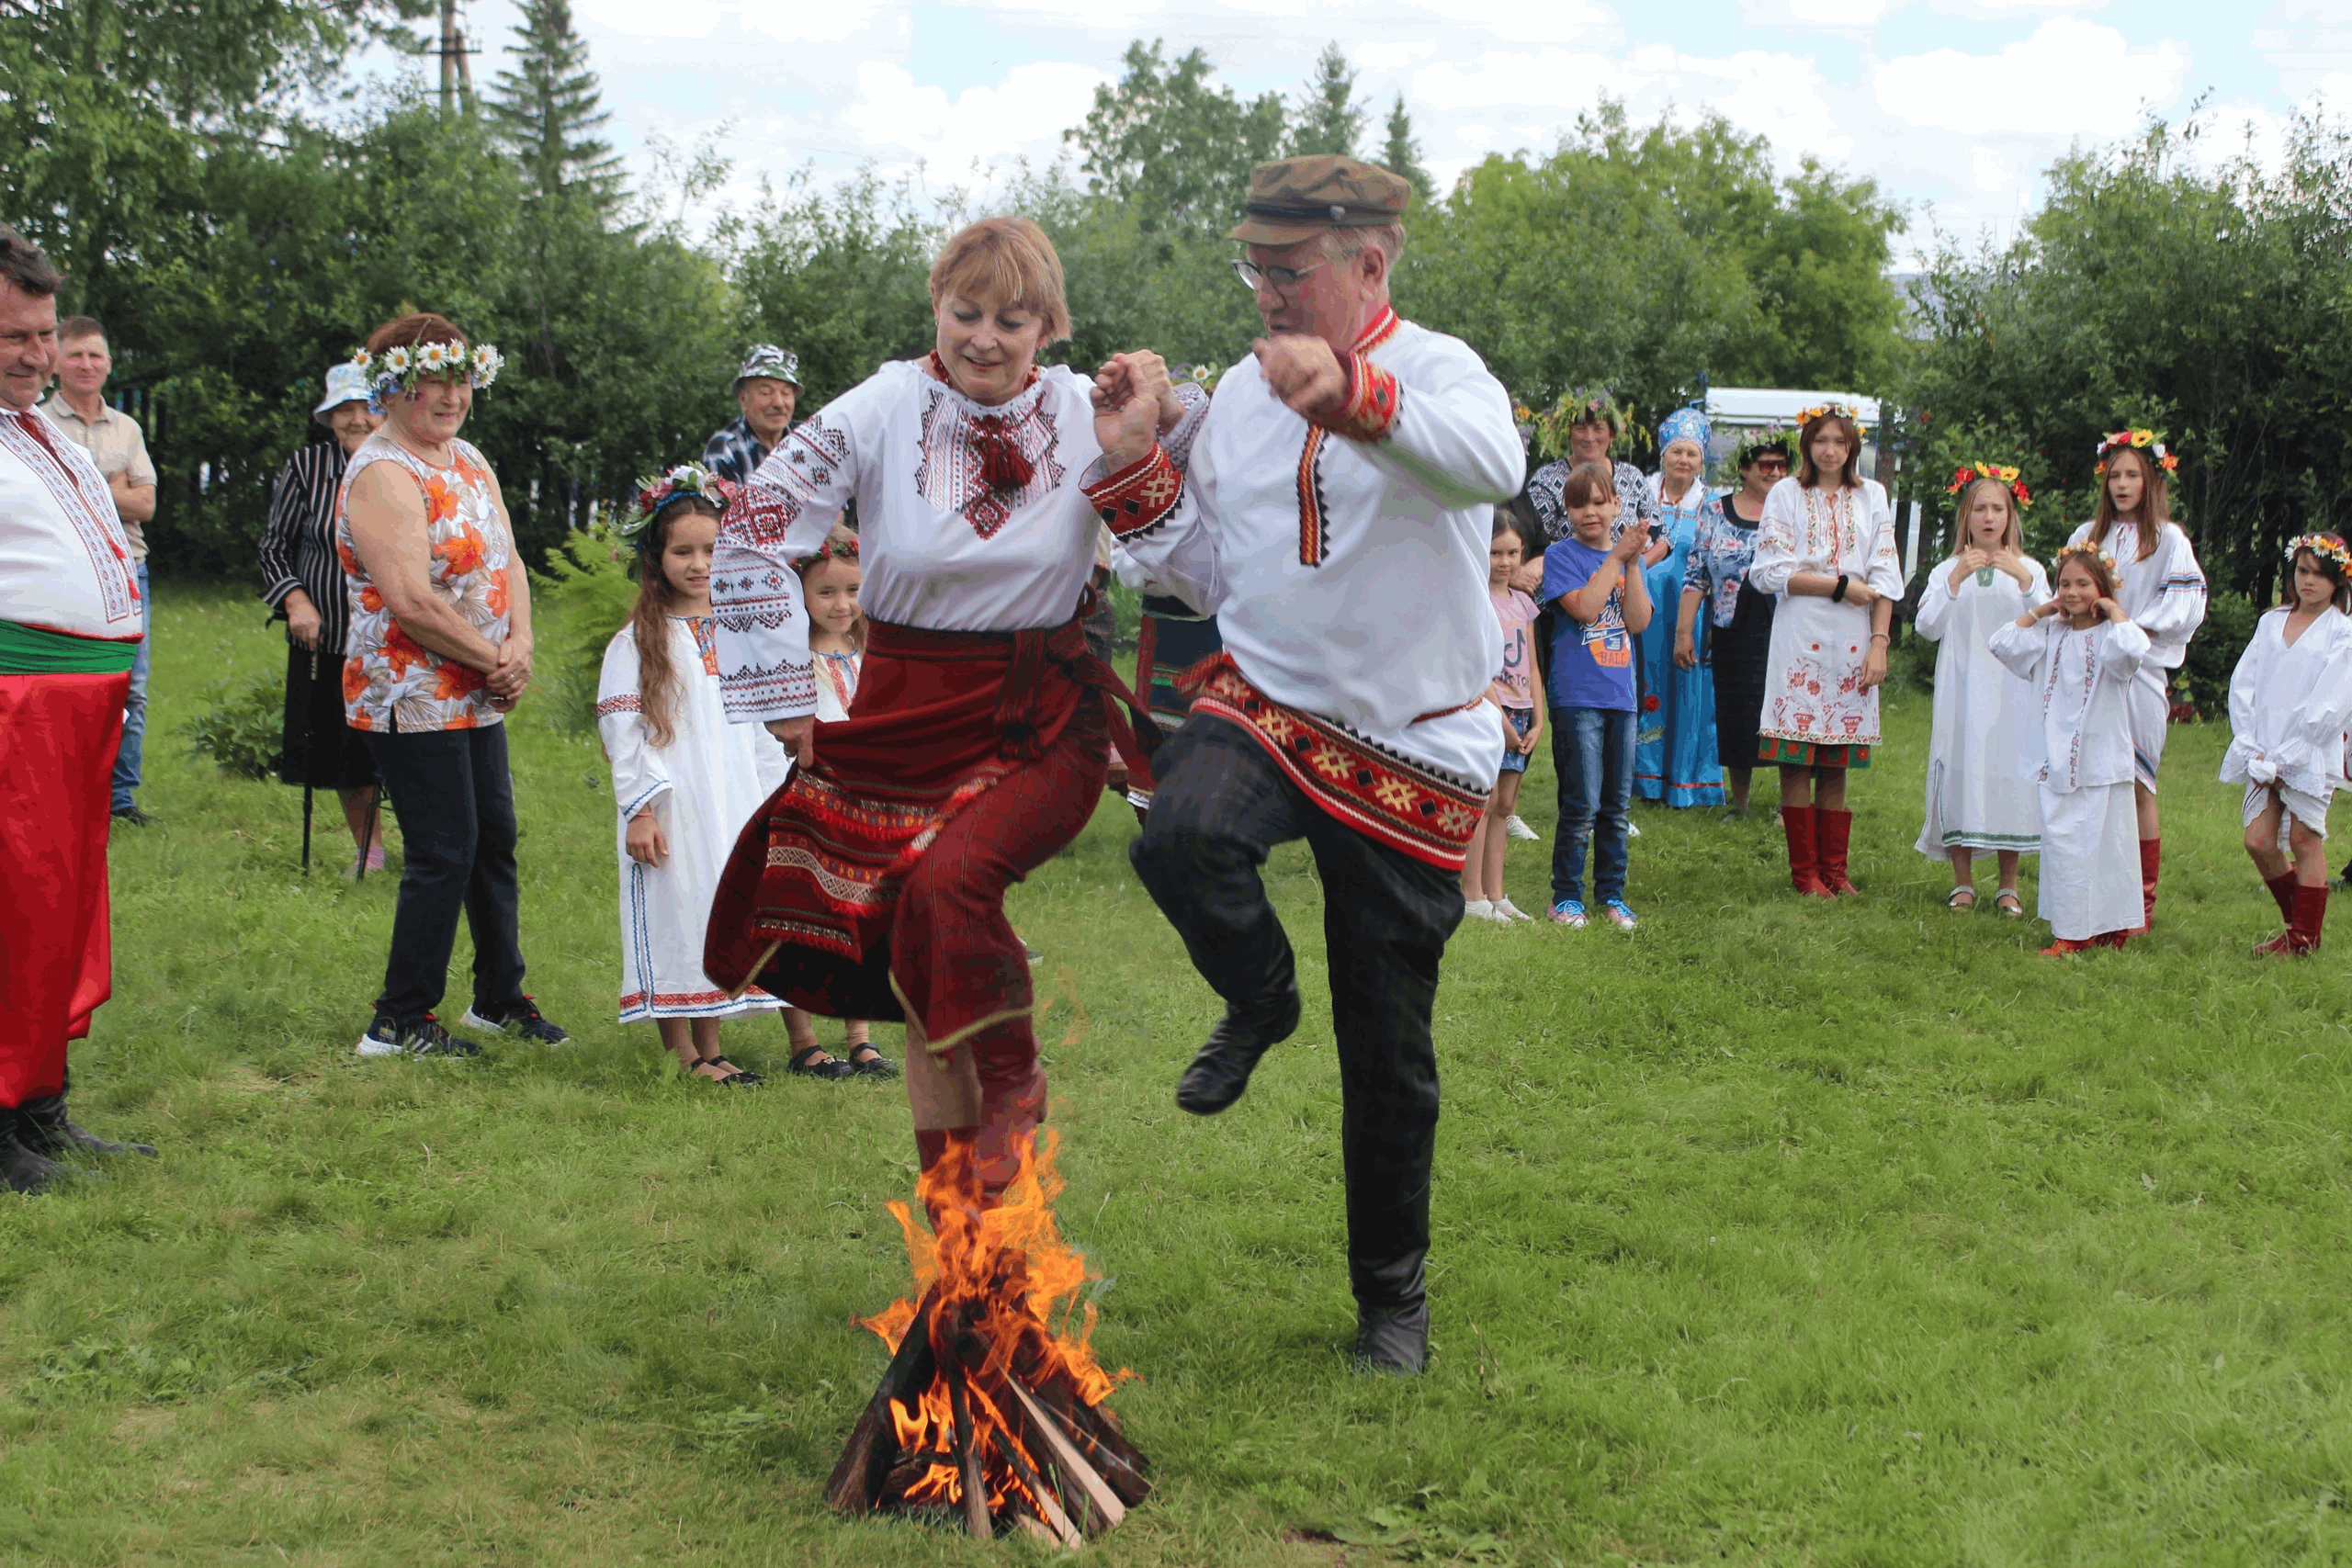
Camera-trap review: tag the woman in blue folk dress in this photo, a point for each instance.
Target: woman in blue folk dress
(1674, 753)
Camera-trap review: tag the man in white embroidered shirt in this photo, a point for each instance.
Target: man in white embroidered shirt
(1334, 517)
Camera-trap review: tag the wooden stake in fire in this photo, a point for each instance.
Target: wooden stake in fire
(985, 1413)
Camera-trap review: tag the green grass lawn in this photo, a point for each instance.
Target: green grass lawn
(1778, 1232)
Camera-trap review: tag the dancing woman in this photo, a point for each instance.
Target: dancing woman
(873, 884)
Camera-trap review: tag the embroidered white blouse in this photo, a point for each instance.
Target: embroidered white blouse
(66, 563)
(2290, 705)
(941, 549)
(1349, 577)
(1813, 687)
(2082, 678)
(2165, 594)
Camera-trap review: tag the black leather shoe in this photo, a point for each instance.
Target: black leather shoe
(44, 1128)
(1392, 1340)
(21, 1170)
(1221, 1071)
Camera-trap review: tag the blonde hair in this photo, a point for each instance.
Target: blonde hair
(1005, 259)
(2013, 536)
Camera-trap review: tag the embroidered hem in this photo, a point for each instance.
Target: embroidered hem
(1139, 496)
(1378, 794)
(1368, 408)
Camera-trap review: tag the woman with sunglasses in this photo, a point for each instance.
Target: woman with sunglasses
(1740, 619)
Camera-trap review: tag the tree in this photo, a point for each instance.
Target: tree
(1177, 146)
(1401, 154)
(550, 109)
(1329, 119)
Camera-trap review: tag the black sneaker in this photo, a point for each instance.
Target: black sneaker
(424, 1038)
(523, 1019)
(134, 816)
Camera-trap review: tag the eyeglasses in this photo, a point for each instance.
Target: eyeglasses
(1282, 279)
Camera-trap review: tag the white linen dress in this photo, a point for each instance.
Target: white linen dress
(702, 788)
(1981, 792)
(2290, 707)
(2165, 596)
(1812, 689)
(2091, 829)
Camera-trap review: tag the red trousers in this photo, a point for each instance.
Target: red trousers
(58, 735)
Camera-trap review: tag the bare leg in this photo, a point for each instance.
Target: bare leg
(707, 1040)
(1964, 869)
(1797, 787)
(678, 1038)
(2143, 802)
(2008, 868)
(1474, 863)
(1498, 809)
(1829, 788)
(1740, 779)
(2262, 845)
(2311, 855)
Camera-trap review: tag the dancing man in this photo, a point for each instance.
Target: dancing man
(1334, 517)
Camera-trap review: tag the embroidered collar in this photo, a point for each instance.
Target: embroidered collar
(1383, 327)
(936, 369)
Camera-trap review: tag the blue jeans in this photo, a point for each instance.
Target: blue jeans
(1592, 753)
(134, 712)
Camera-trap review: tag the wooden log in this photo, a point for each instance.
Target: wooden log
(1048, 1508)
(1070, 1461)
(856, 1486)
(967, 1454)
(1117, 1461)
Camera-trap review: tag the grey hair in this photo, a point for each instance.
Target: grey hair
(1339, 244)
(23, 264)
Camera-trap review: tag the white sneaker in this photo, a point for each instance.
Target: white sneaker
(1506, 910)
(1513, 827)
(1632, 829)
(1478, 909)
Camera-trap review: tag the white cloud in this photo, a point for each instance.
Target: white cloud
(1391, 54)
(796, 22)
(1545, 78)
(1776, 96)
(1990, 173)
(1025, 114)
(2070, 78)
(653, 18)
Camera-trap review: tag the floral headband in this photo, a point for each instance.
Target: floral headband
(2326, 547)
(1771, 436)
(399, 368)
(842, 546)
(2058, 563)
(654, 492)
(1828, 411)
(1969, 473)
(2137, 440)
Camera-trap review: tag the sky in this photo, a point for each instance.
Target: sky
(1954, 107)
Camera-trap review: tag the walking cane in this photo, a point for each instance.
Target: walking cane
(306, 767)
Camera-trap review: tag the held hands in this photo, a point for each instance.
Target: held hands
(1302, 371)
(1862, 595)
(1133, 402)
(645, 843)
(1874, 665)
(511, 674)
(798, 735)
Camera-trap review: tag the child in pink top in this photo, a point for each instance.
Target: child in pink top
(1513, 692)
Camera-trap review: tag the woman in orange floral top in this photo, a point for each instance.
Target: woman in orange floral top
(439, 653)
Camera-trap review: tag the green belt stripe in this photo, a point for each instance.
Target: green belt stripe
(28, 650)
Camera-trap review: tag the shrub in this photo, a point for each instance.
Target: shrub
(244, 731)
(585, 596)
(2203, 681)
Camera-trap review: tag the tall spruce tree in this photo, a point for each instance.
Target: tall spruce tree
(549, 108)
(1328, 120)
(1402, 152)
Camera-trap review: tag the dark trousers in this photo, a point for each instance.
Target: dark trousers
(456, 803)
(1221, 807)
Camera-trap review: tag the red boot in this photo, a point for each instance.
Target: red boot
(1798, 823)
(2066, 944)
(1834, 829)
(2310, 913)
(2151, 857)
(2282, 892)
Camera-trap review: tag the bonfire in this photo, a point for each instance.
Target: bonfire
(991, 1412)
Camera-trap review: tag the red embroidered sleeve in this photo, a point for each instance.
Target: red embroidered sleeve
(1368, 407)
(1139, 495)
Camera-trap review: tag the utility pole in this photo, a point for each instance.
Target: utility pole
(457, 60)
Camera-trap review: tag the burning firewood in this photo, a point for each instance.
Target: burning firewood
(987, 1410)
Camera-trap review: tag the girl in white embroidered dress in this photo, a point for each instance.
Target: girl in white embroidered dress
(2291, 702)
(1980, 797)
(2080, 651)
(2162, 588)
(1825, 546)
(684, 782)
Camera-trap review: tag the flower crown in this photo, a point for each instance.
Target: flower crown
(2326, 547)
(1969, 473)
(656, 492)
(2058, 561)
(1770, 436)
(2150, 440)
(839, 545)
(399, 368)
(1577, 405)
(1824, 411)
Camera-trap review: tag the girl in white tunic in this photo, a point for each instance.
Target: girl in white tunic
(684, 779)
(2290, 702)
(2161, 587)
(1826, 547)
(2081, 653)
(1980, 795)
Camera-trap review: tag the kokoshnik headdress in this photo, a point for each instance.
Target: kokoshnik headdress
(2149, 441)
(1684, 425)
(656, 492)
(399, 368)
(1969, 473)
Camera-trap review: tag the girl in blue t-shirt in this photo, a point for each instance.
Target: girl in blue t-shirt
(1603, 605)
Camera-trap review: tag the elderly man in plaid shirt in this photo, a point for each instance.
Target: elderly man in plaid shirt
(765, 389)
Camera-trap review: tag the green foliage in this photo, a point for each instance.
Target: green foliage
(2214, 304)
(1179, 147)
(548, 110)
(2203, 678)
(1328, 118)
(586, 594)
(1401, 154)
(840, 276)
(244, 732)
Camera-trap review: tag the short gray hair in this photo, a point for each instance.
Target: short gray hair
(1339, 244)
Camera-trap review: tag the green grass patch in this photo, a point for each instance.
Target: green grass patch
(1776, 1233)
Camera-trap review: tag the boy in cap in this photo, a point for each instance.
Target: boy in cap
(766, 388)
(1334, 518)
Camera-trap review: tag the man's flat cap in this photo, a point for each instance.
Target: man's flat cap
(1295, 199)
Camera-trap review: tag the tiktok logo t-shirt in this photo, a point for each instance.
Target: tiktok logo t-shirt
(1592, 666)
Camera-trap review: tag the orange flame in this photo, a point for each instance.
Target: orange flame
(1006, 1272)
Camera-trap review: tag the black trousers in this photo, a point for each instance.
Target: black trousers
(1221, 806)
(456, 803)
